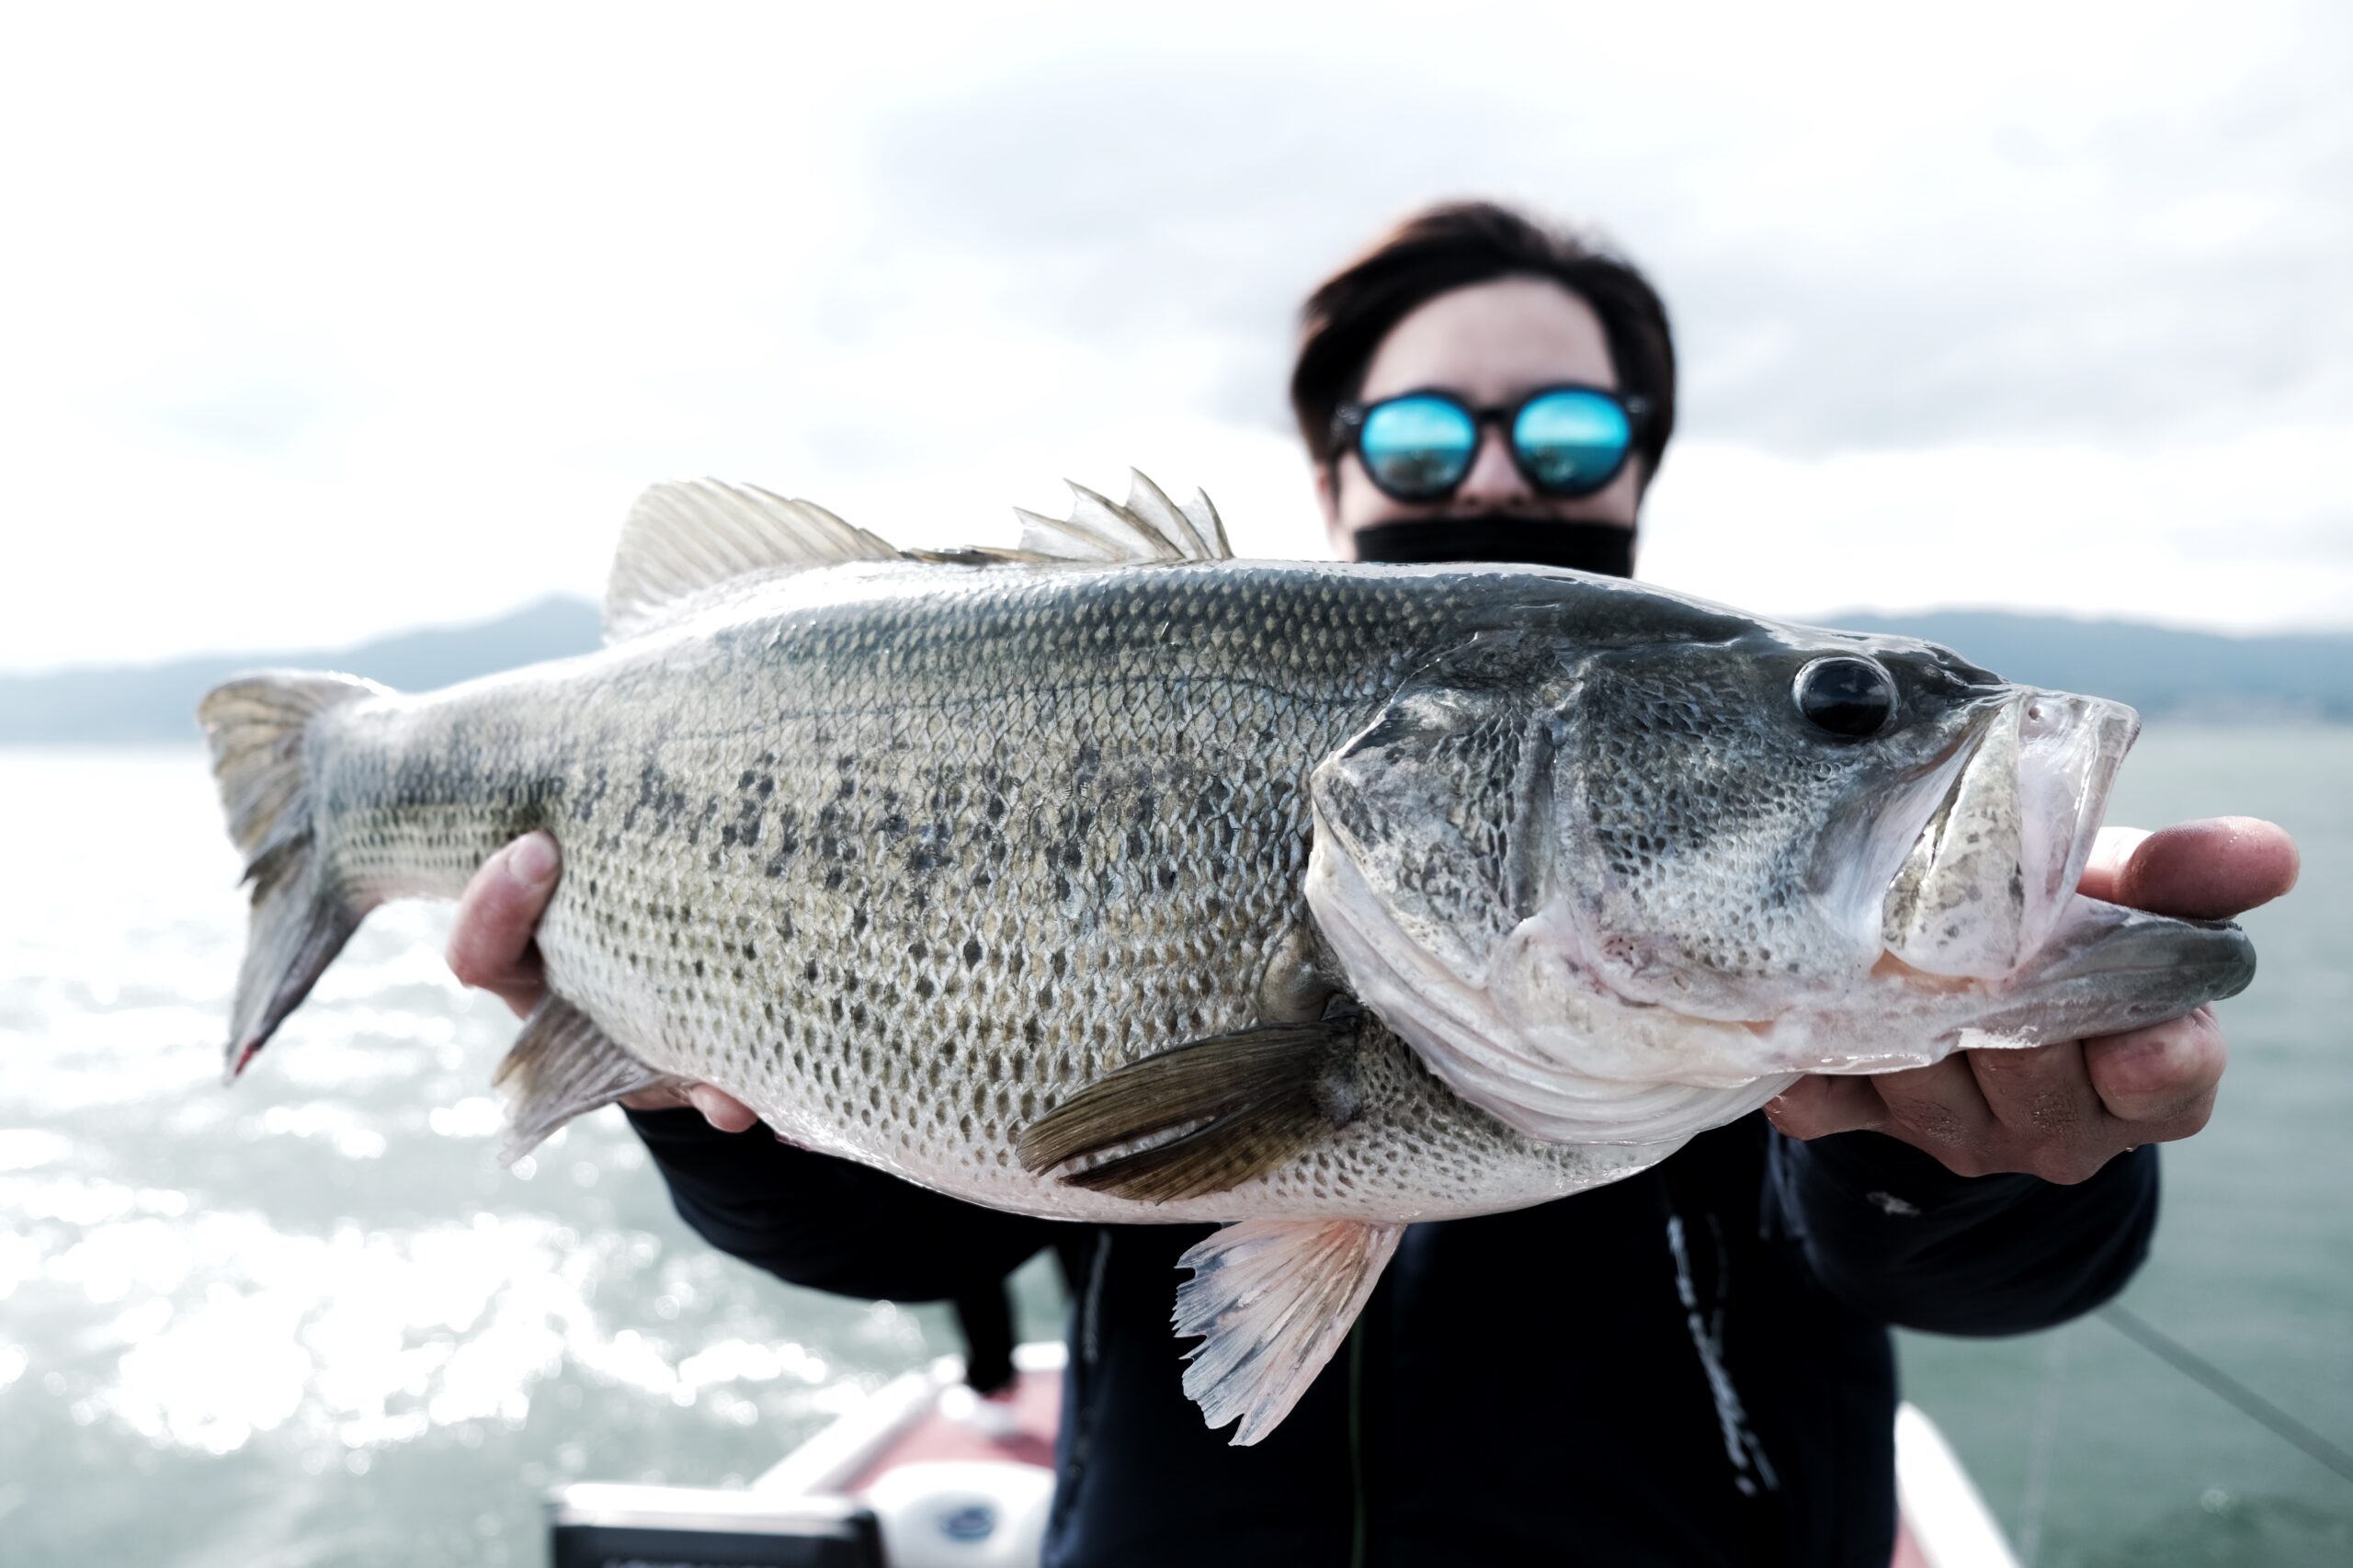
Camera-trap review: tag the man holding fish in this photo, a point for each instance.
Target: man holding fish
(1686, 1365)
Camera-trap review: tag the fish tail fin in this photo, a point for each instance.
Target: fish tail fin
(257, 726)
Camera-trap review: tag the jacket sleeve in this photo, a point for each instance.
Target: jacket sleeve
(1897, 1236)
(830, 1224)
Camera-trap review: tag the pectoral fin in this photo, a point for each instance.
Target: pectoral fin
(561, 1066)
(1274, 1299)
(1240, 1105)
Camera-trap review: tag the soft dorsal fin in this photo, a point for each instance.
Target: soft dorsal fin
(684, 537)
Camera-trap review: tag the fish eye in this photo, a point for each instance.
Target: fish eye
(1845, 695)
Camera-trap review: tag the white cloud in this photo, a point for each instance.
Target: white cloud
(318, 327)
(2246, 533)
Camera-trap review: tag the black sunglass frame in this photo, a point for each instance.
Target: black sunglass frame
(1348, 425)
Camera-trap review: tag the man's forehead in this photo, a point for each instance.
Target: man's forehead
(1492, 342)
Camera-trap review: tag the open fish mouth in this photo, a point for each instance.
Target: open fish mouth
(1986, 901)
(1944, 911)
(1992, 872)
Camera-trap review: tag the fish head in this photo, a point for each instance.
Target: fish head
(1566, 869)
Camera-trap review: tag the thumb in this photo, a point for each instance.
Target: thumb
(2209, 869)
(490, 946)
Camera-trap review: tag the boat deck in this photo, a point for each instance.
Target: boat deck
(934, 1473)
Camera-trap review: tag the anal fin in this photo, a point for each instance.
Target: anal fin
(562, 1067)
(1274, 1299)
(1240, 1105)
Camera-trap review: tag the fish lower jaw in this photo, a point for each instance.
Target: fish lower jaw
(2055, 959)
(2104, 970)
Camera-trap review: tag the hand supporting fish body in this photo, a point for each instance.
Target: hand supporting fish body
(1113, 879)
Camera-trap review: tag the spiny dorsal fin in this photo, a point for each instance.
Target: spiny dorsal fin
(1272, 1299)
(1101, 532)
(1241, 1105)
(1208, 527)
(1149, 527)
(684, 537)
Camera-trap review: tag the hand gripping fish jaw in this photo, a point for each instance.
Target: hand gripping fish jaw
(1632, 943)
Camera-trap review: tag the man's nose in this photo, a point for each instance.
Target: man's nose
(1494, 481)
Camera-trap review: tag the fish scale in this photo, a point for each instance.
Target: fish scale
(1109, 877)
(1102, 860)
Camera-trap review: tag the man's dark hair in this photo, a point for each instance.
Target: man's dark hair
(1453, 245)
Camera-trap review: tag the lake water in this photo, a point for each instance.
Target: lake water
(311, 1321)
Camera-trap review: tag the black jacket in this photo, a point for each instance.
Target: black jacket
(1691, 1366)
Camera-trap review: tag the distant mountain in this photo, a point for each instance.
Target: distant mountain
(157, 702)
(2161, 672)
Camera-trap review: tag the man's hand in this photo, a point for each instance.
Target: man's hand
(492, 950)
(2062, 1111)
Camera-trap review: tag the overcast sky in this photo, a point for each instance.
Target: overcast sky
(316, 327)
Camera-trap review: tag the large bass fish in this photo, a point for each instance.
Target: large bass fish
(1112, 879)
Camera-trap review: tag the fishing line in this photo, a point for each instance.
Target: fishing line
(2262, 1411)
(2036, 1499)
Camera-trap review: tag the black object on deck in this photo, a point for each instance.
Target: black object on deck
(592, 1525)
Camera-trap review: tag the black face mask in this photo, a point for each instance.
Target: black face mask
(1604, 547)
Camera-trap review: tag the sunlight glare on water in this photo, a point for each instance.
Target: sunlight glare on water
(318, 1288)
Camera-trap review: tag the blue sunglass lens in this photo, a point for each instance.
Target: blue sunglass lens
(1572, 442)
(1417, 446)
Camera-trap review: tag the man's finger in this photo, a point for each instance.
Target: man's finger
(720, 1108)
(490, 947)
(2211, 869)
(669, 1095)
(1939, 1109)
(2112, 848)
(1818, 1106)
(2043, 1089)
(2056, 1124)
(2162, 1078)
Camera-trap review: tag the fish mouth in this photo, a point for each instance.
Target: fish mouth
(1960, 896)
(1993, 869)
(1986, 902)
(2109, 969)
